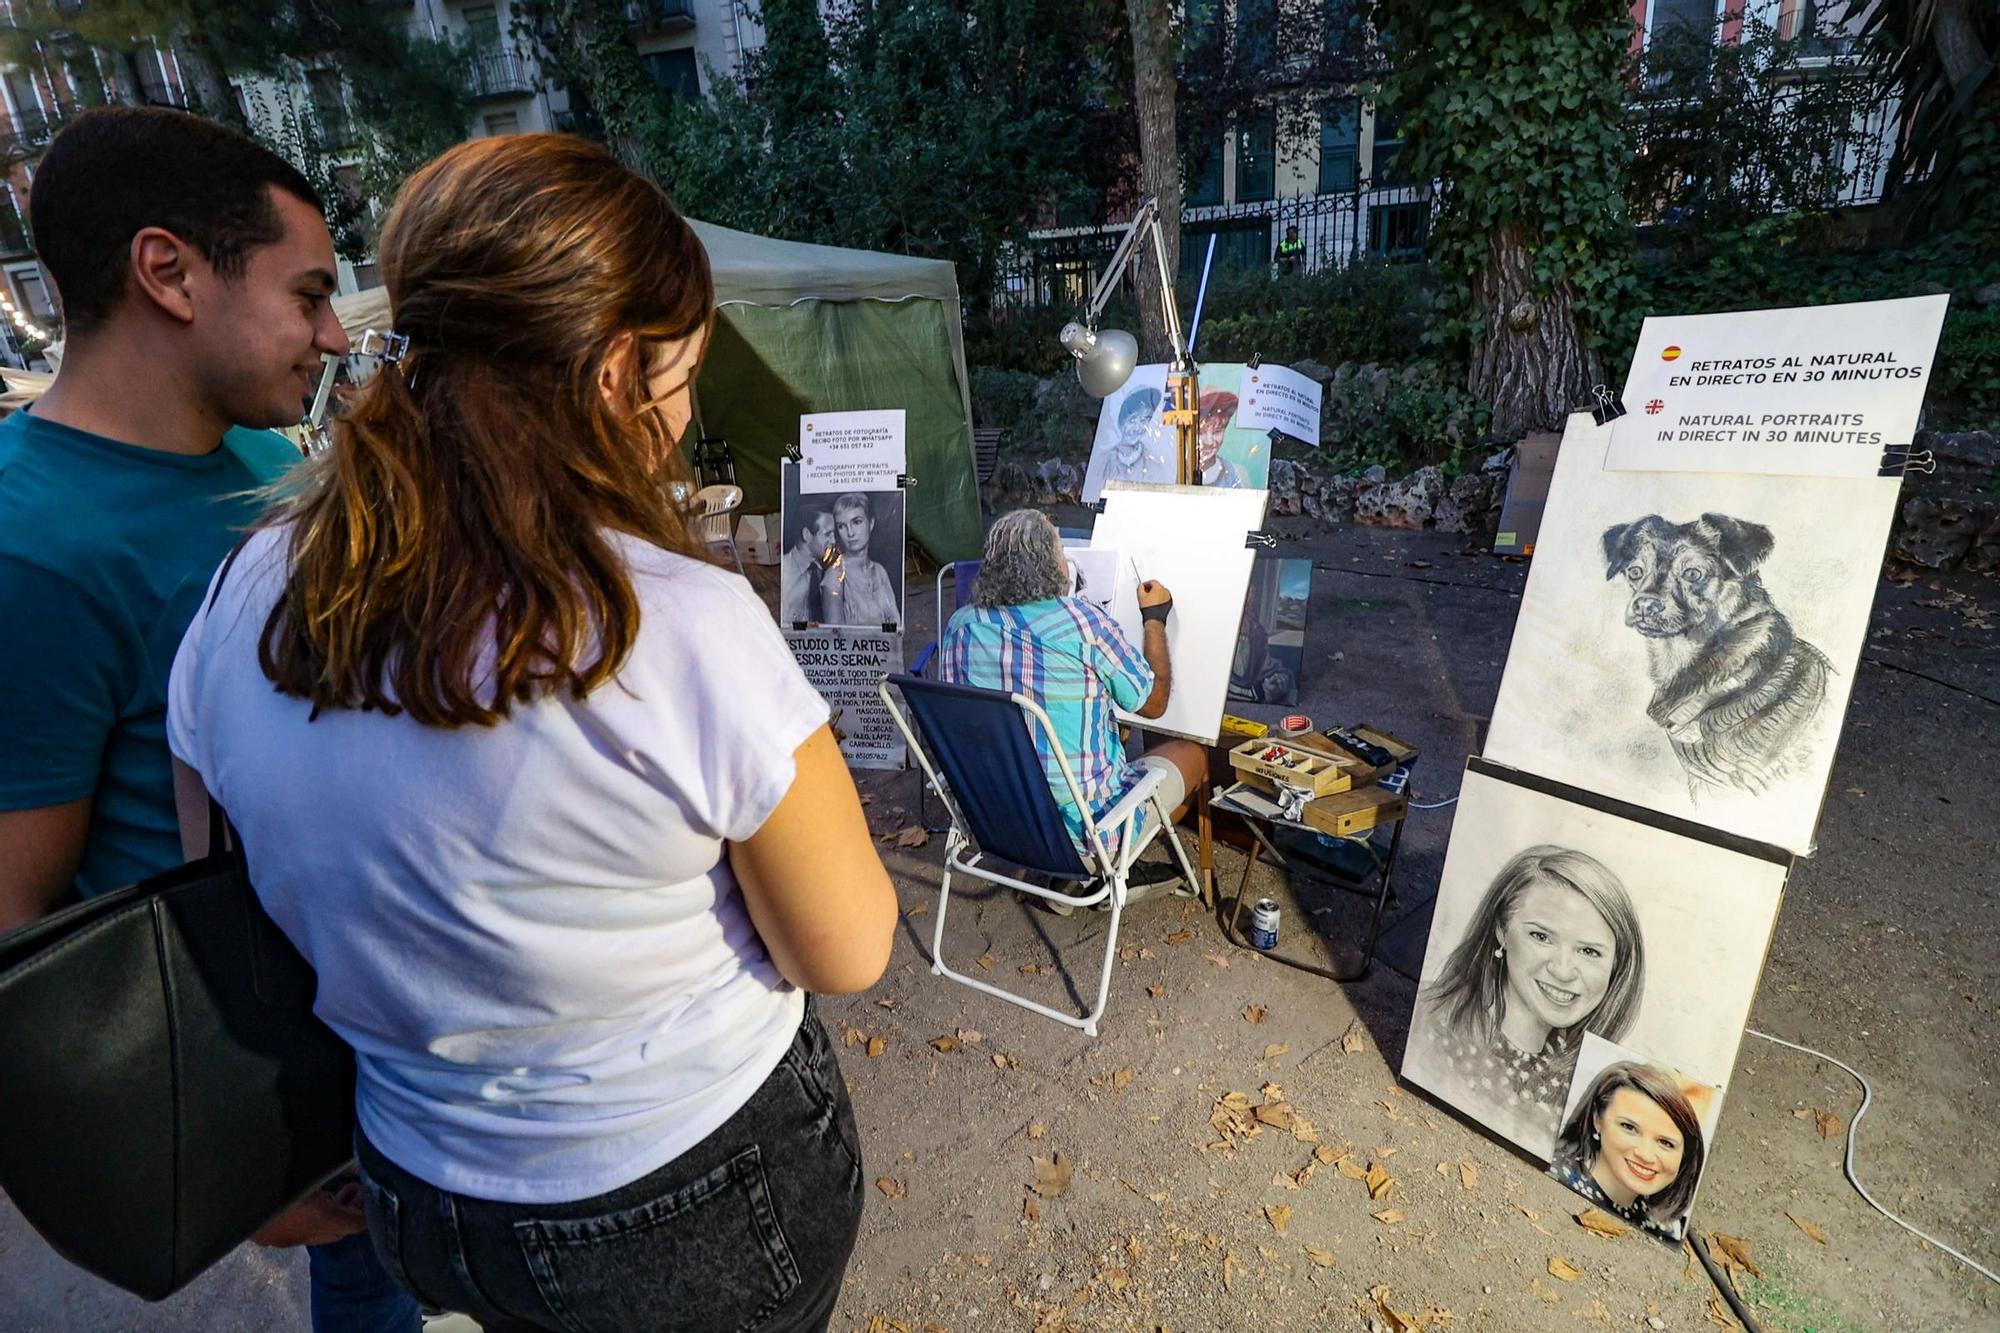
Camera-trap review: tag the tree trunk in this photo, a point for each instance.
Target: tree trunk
(1530, 361)
(1159, 161)
(613, 79)
(1955, 36)
(207, 82)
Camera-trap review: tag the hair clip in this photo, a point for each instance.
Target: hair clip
(386, 345)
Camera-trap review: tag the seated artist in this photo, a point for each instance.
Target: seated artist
(1023, 634)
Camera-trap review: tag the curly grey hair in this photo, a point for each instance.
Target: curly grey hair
(1023, 561)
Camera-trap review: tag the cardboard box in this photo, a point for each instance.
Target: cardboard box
(1528, 478)
(1348, 813)
(759, 539)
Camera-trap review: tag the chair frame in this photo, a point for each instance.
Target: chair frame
(1106, 867)
(706, 498)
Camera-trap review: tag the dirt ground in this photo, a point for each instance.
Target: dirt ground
(1030, 1177)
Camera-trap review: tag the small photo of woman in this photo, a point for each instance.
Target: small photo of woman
(1633, 1143)
(862, 584)
(1553, 949)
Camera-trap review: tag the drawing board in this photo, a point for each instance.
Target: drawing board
(1191, 538)
(1555, 919)
(1688, 641)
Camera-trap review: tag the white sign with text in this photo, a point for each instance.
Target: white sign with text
(1275, 398)
(851, 451)
(1805, 391)
(845, 666)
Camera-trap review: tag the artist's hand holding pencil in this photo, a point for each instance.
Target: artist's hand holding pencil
(1154, 600)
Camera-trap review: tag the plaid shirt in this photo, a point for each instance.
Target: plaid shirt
(1071, 658)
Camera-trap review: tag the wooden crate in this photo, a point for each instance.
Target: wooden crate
(1271, 762)
(1348, 813)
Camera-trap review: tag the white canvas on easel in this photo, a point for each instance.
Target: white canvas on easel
(1192, 539)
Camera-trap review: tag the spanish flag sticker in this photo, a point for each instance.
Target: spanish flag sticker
(1672, 353)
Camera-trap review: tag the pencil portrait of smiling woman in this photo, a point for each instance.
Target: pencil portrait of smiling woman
(1553, 950)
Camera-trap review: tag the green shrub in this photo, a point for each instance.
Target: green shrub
(1000, 398)
(1400, 417)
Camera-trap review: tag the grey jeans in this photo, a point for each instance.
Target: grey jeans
(749, 1229)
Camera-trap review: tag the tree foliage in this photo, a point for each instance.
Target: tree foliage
(406, 93)
(1518, 110)
(929, 127)
(1730, 131)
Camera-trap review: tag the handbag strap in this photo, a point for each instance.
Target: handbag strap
(221, 833)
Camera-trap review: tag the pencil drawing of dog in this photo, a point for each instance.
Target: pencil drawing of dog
(1734, 687)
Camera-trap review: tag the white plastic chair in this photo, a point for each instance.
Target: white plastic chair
(714, 524)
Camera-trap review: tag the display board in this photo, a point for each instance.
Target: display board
(1133, 443)
(1687, 641)
(1271, 639)
(1192, 539)
(843, 558)
(1556, 918)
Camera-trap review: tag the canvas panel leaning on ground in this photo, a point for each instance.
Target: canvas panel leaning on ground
(1687, 641)
(1554, 920)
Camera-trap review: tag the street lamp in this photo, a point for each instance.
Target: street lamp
(1105, 358)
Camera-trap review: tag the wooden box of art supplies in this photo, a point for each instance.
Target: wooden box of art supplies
(1350, 813)
(1270, 764)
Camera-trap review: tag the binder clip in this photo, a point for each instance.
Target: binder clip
(1608, 407)
(792, 453)
(1899, 459)
(904, 481)
(1260, 541)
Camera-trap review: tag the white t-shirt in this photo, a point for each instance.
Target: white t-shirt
(528, 932)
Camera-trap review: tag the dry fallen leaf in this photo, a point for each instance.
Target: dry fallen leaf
(985, 961)
(1349, 1168)
(1397, 1321)
(1324, 1258)
(1030, 969)
(877, 1044)
(1564, 1269)
(1602, 1224)
(1156, 991)
(1718, 1314)
(1355, 1040)
(1279, 1215)
(1230, 1263)
(1278, 1115)
(1468, 1175)
(946, 1044)
(1037, 1129)
(1388, 1216)
(918, 910)
(887, 1002)
(1218, 959)
(916, 835)
(1734, 1252)
(1253, 1013)
(970, 1036)
(852, 1035)
(1052, 1175)
(1030, 1210)
(1276, 1049)
(1327, 1156)
(1180, 937)
(1829, 1125)
(892, 1187)
(1120, 1079)
(1006, 1060)
(1811, 1230)
(1379, 1181)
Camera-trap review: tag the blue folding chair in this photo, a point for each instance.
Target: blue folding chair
(995, 789)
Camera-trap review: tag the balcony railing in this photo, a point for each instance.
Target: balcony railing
(651, 16)
(499, 74)
(28, 133)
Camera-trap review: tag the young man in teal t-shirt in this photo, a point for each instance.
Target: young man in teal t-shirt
(195, 269)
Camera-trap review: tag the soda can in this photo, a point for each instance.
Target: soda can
(1264, 924)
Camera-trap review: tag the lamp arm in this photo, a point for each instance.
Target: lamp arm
(1115, 269)
(1168, 305)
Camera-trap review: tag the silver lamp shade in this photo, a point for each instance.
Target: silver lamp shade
(1104, 357)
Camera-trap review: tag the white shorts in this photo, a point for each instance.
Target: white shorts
(1173, 786)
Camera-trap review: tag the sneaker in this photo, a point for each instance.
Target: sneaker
(1149, 879)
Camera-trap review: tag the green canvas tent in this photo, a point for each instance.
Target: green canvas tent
(818, 328)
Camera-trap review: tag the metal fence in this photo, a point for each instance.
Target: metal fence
(1057, 265)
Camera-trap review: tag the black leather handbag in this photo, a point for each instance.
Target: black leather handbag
(165, 1089)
